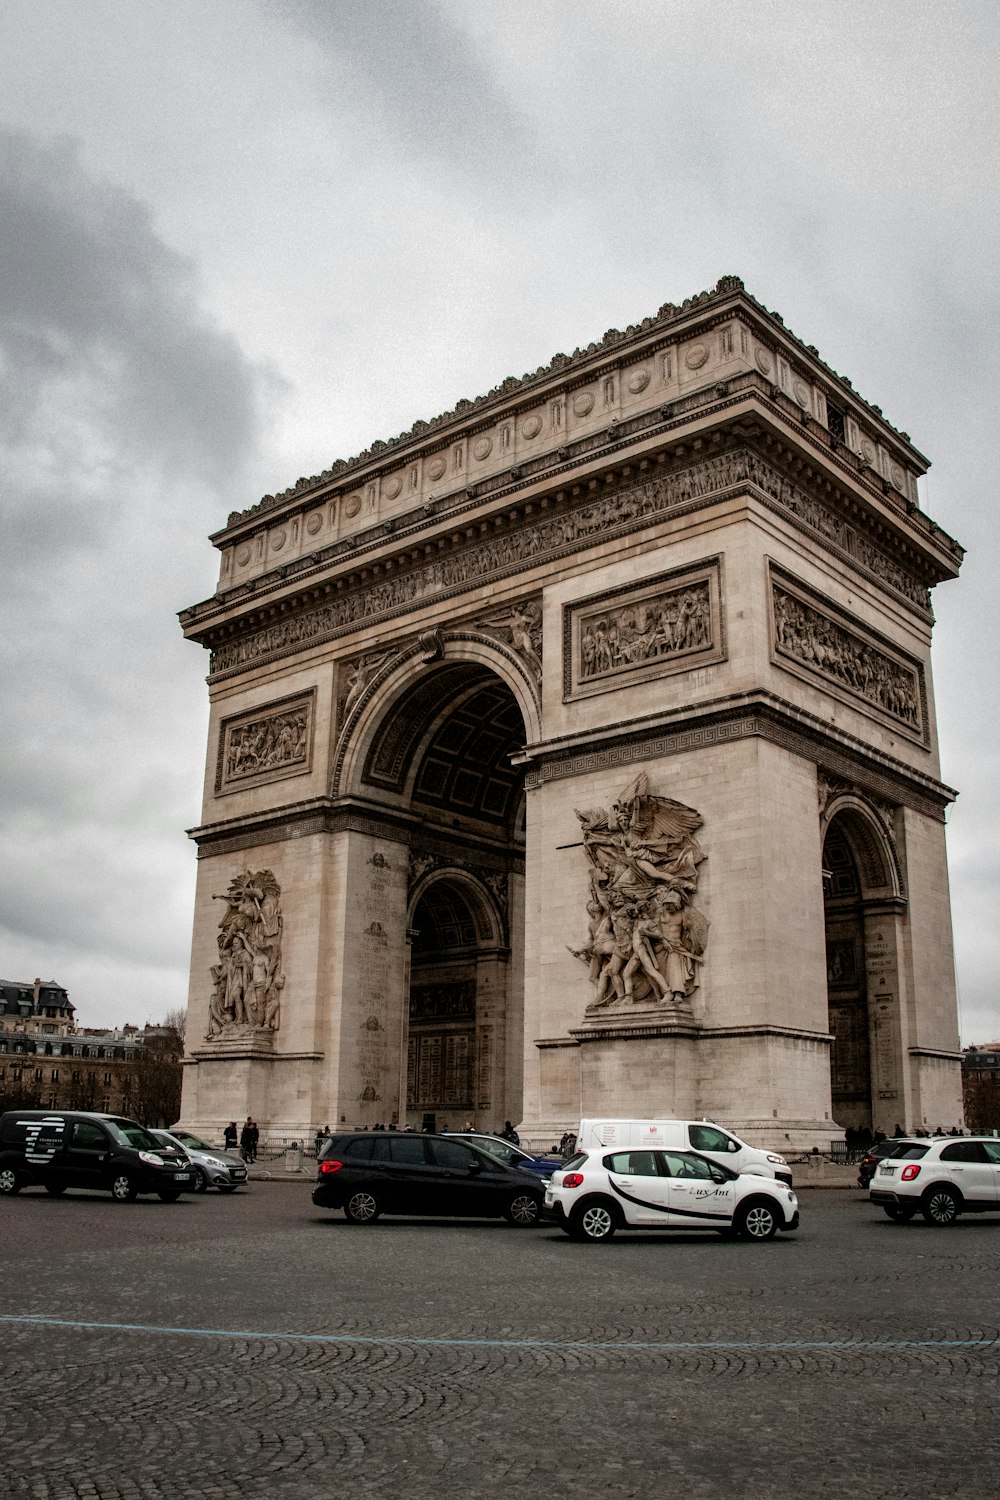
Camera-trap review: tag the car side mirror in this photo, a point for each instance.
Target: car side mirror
(475, 1168)
(718, 1176)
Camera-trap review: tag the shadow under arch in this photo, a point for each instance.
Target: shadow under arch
(489, 920)
(442, 673)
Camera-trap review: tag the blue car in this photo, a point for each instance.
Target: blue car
(513, 1156)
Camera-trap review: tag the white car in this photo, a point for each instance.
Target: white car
(600, 1191)
(942, 1177)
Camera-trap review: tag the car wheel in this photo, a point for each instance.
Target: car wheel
(523, 1211)
(200, 1180)
(123, 1189)
(940, 1206)
(757, 1221)
(55, 1189)
(362, 1207)
(899, 1213)
(168, 1195)
(10, 1183)
(593, 1221)
(226, 1187)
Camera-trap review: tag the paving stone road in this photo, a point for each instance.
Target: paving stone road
(255, 1347)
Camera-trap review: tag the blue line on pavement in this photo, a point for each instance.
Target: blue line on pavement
(671, 1347)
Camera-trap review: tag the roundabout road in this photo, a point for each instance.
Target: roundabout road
(255, 1347)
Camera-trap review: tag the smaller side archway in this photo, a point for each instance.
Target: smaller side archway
(864, 910)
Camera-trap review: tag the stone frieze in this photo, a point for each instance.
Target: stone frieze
(809, 636)
(620, 509)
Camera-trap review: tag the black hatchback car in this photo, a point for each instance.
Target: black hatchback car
(58, 1149)
(375, 1172)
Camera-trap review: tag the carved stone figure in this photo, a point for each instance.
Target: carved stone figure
(521, 626)
(270, 743)
(247, 980)
(359, 675)
(646, 937)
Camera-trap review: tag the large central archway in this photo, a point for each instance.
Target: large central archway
(437, 749)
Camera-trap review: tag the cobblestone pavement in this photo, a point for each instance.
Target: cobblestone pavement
(255, 1347)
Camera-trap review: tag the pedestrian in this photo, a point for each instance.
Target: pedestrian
(508, 1133)
(469, 1128)
(254, 1138)
(246, 1140)
(229, 1136)
(318, 1142)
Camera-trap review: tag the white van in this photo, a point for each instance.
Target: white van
(686, 1135)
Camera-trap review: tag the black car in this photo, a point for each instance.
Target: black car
(369, 1173)
(58, 1149)
(868, 1164)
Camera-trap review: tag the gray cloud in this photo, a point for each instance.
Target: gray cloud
(131, 424)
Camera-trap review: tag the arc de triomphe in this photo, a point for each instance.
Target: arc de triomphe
(575, 753)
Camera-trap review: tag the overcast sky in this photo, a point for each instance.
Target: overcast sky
(240, 240)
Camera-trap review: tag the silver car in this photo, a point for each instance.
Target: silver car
(213, 1167)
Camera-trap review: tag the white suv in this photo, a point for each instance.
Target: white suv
(599, 1191)
(942, 1177)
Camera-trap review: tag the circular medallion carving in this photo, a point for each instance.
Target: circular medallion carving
(764, 362)
(483, 448)
(867, 451)
(314, 522)
(583, 403)
(278, 540)
(531, 427)
(898, 478)
(435, 468)
(243, 555)
(353, 503)
(390, 490)
(697, 356)
(638, 381)
(801, 393)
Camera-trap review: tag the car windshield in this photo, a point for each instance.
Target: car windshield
(501, 1151)
(909, 1150)
(196, 1144)
(575, 1161)
(128, 1133)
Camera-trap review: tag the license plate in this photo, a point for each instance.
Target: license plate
(182, 1177)
(887, 1171)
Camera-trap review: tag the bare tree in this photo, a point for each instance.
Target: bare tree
(151, 1091)
(176, 1019)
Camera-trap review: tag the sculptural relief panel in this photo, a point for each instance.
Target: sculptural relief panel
(266, 744)
(646, 938)
(815, 639)
(629, 634)
(247, 980)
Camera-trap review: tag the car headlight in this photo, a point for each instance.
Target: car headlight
(779, 1161)
(154, 1161)
(213, 1161)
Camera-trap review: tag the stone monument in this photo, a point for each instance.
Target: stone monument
(574, 753)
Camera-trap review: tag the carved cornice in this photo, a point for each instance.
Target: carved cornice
(617, 348)
(591, 514)
(742, 716)
(325, 815)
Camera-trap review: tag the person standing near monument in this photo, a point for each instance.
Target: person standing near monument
(229, 1136)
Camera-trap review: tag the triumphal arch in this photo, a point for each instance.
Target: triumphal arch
(574, 753)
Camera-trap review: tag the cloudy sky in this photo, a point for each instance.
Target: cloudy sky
(242, 239)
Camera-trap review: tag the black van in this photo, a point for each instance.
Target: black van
(58, 1149)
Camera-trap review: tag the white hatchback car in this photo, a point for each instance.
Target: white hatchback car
(942, 1177)
(600, 1191)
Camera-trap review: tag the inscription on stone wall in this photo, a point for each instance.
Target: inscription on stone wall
(811, 637)
(377, 995)
(266, 744)
(630, 634)
(624, 508)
